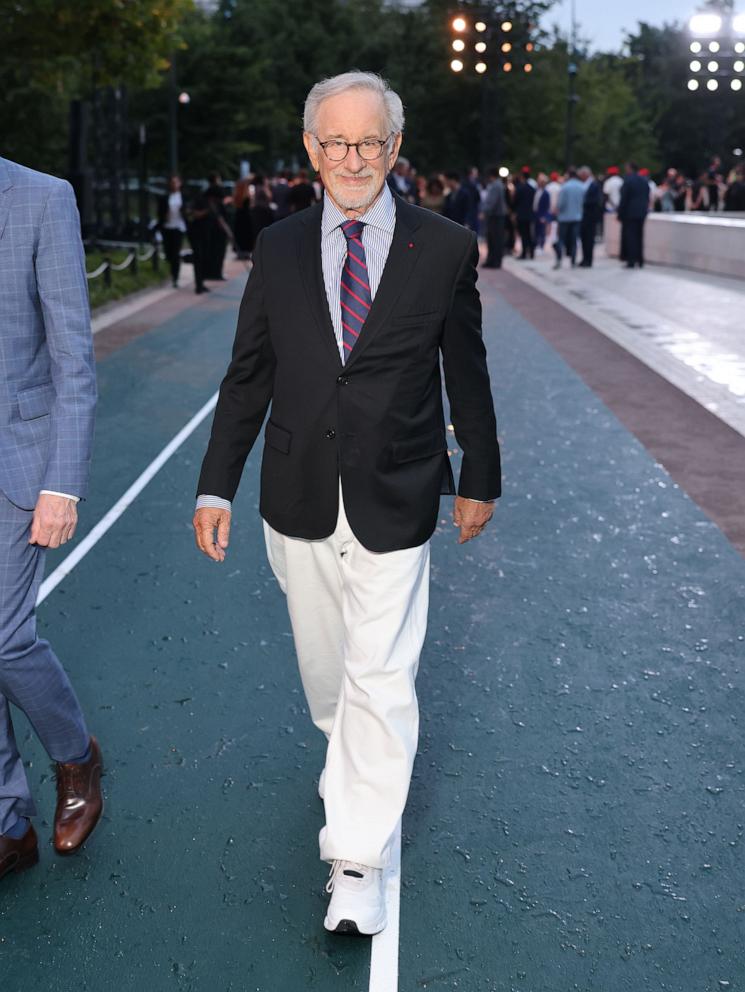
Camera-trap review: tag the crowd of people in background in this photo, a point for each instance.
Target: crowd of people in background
(516, 213)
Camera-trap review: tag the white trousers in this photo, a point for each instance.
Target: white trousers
(359, 621)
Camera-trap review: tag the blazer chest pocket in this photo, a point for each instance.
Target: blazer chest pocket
(410, 449)
(415, 318)
(277, 437)
(36, 401)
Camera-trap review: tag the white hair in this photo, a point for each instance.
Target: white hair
(355, 80)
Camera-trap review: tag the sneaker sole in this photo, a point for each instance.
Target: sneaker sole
(350, 929)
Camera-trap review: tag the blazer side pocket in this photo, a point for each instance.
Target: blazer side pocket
(424, 446)
(277, 437)
(36, 401)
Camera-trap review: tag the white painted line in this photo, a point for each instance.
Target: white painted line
(384, 954)
(91, 539)
(124, 310)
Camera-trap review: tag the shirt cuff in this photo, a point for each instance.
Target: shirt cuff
(216, 502)
(51, 492)
(470, 500)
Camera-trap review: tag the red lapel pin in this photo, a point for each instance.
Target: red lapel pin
(411, 244)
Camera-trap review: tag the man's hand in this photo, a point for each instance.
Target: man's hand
(207, 520)
(471, 517)
(54, 522)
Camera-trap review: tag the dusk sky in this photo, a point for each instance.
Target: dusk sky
(604, 23)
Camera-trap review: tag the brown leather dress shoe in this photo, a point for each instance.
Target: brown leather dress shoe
(19, 854)
(79, 801)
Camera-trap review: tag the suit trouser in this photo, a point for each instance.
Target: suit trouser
(566, 240)
(31, 676)
(494, 239)
(587, 233)
(359, 621)
(525, 229)
(172, 239)
(633, 239)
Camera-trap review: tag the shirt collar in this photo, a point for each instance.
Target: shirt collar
(382, 213)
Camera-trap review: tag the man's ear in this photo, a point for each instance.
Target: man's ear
(311, 148)
(395, 150)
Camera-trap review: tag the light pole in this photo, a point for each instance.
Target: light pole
(572, 98)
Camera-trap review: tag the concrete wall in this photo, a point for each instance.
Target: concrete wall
(704, 242)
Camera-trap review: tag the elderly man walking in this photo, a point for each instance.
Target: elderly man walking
(569, 214)
(47, 401)
(346, 313)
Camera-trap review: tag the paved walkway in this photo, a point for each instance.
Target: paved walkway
(575, 820)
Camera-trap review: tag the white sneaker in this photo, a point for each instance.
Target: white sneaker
(322, 783)
(357, 905)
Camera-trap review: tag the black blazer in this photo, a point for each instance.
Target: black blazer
(634, 203)
(378, 420)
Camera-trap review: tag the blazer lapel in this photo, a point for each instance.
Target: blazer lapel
(309, 261)
(6, 185)
(402, 258)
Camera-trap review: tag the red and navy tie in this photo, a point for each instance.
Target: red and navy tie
(356, 298)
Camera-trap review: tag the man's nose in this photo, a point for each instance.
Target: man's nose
(354, 159)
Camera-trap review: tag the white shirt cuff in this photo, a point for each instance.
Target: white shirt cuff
(216, 502)
(51, 492)
(471, 500)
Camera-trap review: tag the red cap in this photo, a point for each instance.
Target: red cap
(643, 172)
(554, 176)
(612, 170)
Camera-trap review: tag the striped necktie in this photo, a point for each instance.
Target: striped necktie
(355, 295)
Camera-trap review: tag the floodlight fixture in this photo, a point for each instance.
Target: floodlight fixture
(740, 47)
(460, 24)
(507, 67)
(480, 67)
(480, 26)
(184, 98)
(693, 84)
(503, 172)
(736, 84)
(695, 66)
(712, 66)
(712, 84)
(506, 47)
(738, 23)
(506, 25)
(456, 65)
(696, 47)
(458, 45)
(480, 47)
(713, 46)
(528, 67)
(705, 24)
(738, 65)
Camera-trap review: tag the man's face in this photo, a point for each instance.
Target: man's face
(355, 115)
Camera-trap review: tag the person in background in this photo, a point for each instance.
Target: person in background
(262, 214)
(401, 180)
(553, 187)
(219, 230)
(434, 195)
(734, 198)
(472, 185)
(457, 201)
(494, 212)
(569, 212)
(632, 212)
(302, 194)
(242, 227)
(523, 208)
(198, 227)
(541, 210)
(592, 212)
(645, 174)
(612, 189)
(699, 194)
(172, 225)
(281, 193)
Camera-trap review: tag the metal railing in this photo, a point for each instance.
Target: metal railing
(132, 261)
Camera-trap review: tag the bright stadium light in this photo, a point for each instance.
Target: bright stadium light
(713, 46)
(696, 47)
(528, 67)
(693, 84)
(480, 67)
(458, 45)
(736, 84)
(705, 24)
(695, 66)
(506, 47)
(480, 47)
(456, 65)
(739, 66)
(712, 85)
(460, 24)
(712, 66)
(503, 172)
(740, 47)
(506, 25)
(480, 26)
(507, 67)
(738, 24)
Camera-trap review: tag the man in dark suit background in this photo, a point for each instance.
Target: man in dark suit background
(592, 212)
(632, 212)
(348, 309)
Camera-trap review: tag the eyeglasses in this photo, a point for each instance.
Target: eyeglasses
(337, 150)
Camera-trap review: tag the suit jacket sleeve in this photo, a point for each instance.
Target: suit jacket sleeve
(245, 392)
(63, 295)
(468, 386)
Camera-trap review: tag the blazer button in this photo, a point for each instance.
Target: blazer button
(330, 434)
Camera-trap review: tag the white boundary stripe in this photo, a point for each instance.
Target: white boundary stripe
(91, 539)
(384, 953)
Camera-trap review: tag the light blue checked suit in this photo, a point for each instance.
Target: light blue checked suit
(47, 402)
